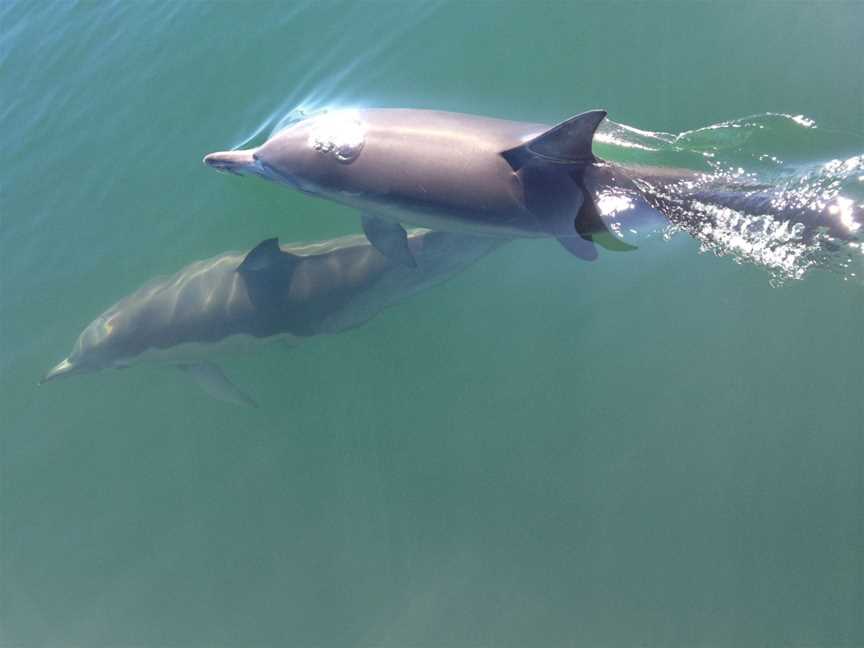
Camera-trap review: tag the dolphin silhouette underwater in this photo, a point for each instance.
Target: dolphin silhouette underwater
(235, 302)
(481, 175)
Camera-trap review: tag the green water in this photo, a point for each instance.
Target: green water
(657, 449)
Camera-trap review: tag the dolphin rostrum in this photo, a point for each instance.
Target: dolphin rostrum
(458, 172)
(288, 293)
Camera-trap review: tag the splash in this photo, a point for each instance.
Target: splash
(771, 190)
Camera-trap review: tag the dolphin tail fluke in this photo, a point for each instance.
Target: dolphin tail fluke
(215, 383)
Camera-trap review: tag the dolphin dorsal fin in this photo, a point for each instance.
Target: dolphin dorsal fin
(267, 255)
(567, 143)
(267, 272)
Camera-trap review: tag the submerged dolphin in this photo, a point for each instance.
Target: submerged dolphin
(272, 293)
(458, 172)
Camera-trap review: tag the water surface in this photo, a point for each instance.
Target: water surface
(661, 448)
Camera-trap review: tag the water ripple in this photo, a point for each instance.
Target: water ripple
(772, 190)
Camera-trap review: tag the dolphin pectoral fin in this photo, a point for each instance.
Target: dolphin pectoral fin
(389, 238)
(567, 143)
(215, 383)
(579, 247)
(609, 241)
(591, 227)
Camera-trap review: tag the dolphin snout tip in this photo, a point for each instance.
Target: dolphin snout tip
(230, 161)
(61, 369)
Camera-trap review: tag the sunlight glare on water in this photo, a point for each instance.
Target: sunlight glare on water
(658, 448)
(750, 196)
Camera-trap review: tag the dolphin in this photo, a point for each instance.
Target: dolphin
(487, 176)
(447, 171)
(235, 302)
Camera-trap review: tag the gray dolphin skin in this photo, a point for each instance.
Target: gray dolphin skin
(450, 171)
(234, 302)
(458, 172)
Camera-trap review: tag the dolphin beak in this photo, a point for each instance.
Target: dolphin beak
(62, 369)
(235, 162)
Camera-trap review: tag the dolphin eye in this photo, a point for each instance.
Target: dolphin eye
(341, 134)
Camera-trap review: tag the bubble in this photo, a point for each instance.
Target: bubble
(341, 133)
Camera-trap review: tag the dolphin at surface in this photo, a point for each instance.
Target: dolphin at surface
(233, 302)
(448, 171)
(480, 175)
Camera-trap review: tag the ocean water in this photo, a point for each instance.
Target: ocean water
(661, 448)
